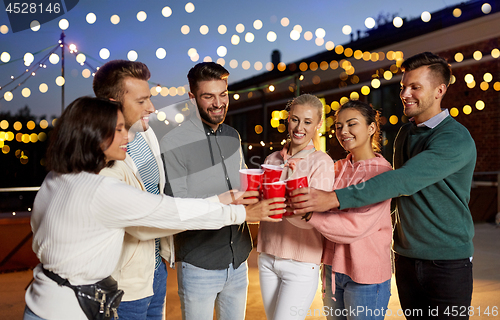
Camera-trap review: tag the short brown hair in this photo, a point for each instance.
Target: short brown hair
(206, 71)
(108, 80)
(80, 136)
(436, 64)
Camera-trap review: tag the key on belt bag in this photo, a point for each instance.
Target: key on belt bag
(98, 301)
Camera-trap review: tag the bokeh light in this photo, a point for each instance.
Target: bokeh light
(221, 51)
(26, 92)
(393, 119)
(104, 53)
(60, 81)
(294, 35)
(486, 8)
(235, 39)
(185, 29)
(91, 18)
(425, 16)
(5, 57)
(320, 33)
(397, 22)
(249, 37)
(189, 7)
(477, 55)
(166, 12)
(63, 24)
(204, 29)
(370, 23)
(240, 28)
(346, 29)
(222, 29)
(467, 109)
(479, 105)
(271, 36)
(8, 96)
(132, 55)
(115, 19)
(161, 53)
(35, 25)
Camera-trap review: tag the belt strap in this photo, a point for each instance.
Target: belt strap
(57, 278)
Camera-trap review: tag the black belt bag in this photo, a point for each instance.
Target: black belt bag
(98, 301)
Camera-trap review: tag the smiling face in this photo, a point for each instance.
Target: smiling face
(136, 101)
(354, 133)
(303, 123)
(212, 100)
(117, 149)
(421, 94)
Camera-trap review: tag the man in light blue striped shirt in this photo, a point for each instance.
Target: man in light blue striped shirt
(143, 280)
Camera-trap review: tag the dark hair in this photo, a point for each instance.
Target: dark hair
(108, 80)
(371, 116)
(436, 64)
(82, 133)
(206, 71)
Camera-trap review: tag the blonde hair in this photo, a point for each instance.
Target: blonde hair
(313, 101)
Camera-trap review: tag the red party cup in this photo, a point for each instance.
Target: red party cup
(274, 190)
(272, 173)
(293, 184)
(251, 180)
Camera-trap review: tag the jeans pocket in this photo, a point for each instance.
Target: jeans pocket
(452, 264)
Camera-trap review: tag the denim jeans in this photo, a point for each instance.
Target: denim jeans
(201, 289)
(288, 287)
(355, 300)
(150, 308)
(437, 289)
(29, 315)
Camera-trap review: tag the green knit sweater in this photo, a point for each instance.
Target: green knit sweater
(431, 186)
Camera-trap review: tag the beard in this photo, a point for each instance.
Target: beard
(215, 120)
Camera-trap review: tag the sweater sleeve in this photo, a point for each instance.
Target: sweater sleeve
(321, 175)
(446, 153)
(350, 225)
(347, 226)
(117, 205)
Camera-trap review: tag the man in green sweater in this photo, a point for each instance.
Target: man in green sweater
(434, 159)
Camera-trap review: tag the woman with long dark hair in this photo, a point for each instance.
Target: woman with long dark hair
(79, 217)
